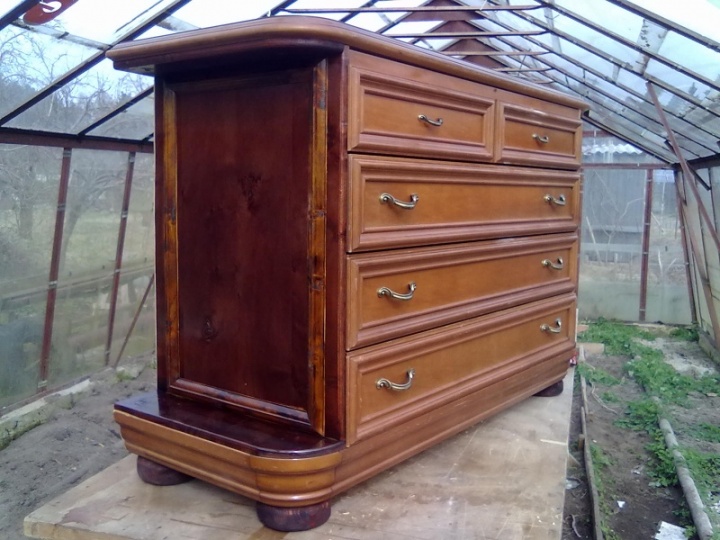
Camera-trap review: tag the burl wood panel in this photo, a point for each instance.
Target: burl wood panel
(243, 160)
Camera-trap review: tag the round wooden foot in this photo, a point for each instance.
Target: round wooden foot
(551, 391)
(159, 475)
(293, 519)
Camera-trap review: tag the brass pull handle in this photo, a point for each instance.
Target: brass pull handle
(560, 201)
(384, 291)
(552, 329)
(559, 265)
(385, 383)
(542, 139)
(387, 198)
(437, 123)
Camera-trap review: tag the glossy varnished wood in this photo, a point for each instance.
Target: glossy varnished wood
(276, 139)
(452, 361)
(456, 202)
(453, 283)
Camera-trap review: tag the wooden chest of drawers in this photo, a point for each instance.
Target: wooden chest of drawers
(362, 248)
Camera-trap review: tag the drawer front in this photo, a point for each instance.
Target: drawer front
(399, 202)
(544, 137)
(438, 366)
(414, 112)
(406, 291)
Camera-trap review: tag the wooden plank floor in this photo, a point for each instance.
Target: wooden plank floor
(502, 479)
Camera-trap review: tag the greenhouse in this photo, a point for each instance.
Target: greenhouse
(87, 281)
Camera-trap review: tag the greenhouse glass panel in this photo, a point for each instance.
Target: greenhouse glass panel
(87, 263)
(582, 57)
(137, 269)
(667, 293)
(28, 207)
(137, 122)
(611, 17)
(611, 245)
(678, 80)
(596, 39)
(205, 13)
(691, 55)
(31, 62)
(83, 100)
(701, 16)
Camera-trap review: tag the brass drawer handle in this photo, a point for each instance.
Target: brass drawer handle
(384, 383)
(560, 201)
(559, 265)
(384, 291)
(387, 198)
(437, 123)
(542, 139)
(553, 330)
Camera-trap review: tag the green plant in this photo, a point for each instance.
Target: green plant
(617, 337)
(610, 397)
(705, 432)
(705, 470)
(595, 375)
(641, 415)
(685, 333)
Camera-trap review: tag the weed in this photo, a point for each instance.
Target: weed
(601, 461)
(706, 432)
(641, 415)
(705, 470)
(685, 333)
(617, 337)
(610, 397)
(595, 375)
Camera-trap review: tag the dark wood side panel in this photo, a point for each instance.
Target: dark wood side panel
(243, 271)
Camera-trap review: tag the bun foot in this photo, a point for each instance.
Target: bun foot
(153, 473)
(551, 391)
(293, 519)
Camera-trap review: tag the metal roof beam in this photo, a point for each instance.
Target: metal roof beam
(662, 155)
(498, 52)
(63, 140)
(605, 56)
(417, 9)
(15, 12)
(89, 62)
(461, 35)
(112, 114)
(631, 44)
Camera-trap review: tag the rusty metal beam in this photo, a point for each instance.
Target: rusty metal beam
(65, 140)
(633, 166)
(615, 132)
(417, 9)
(135, 320)
(119, 253)
(54, 270)
(706, 223)
(462, 35)
(493, 53)
(645, 250)
(522, 69)
(686, 254)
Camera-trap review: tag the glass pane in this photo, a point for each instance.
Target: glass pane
(667, 294)
(702, 16)
(137, 122)
(678, 80)
(137, 269)
(28, 206)
(611, 246)
(613, 18)
(84, 100)
(691, 55)
(93, 20)
(87, 263)
(31, 61)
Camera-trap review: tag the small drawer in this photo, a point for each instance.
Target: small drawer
(406, 291)
(415, 112)
(398, 202)
(393, 382)
(547, 137)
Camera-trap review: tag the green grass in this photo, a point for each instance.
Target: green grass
(618, 338)
(594, 375)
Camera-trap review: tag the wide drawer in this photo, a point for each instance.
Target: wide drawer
(399, 202)
(392, 382)
(530, 132)
(407, 111)
(397, 293)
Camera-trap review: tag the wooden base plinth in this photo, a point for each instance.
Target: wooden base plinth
(159, 475)
(553, 390)
(293, 519)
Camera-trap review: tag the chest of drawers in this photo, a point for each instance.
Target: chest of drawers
(362, 248)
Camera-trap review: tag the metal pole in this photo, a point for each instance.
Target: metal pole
(54, 270)
(119, 253)
(686, 253)
(646, 245)
(134, 321)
